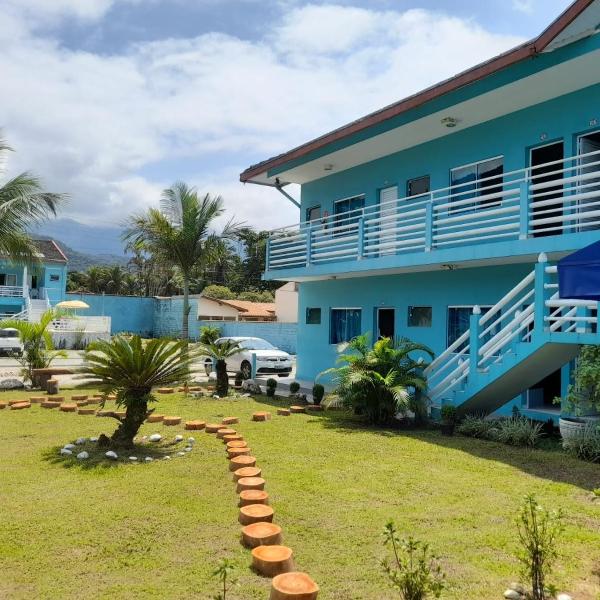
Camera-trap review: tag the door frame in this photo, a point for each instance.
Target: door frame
(377, 309)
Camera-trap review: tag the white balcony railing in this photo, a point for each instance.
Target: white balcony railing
(11, 291)
(558, 197)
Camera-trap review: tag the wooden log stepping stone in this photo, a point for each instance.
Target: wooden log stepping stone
(165, 390)
(121, 414)
(65, 407)
(261, 416)
(293, 586)
(81, 403)
(261, 534)
(154, 418)
(246, 472)
(297, 409)
(3, 405)
(237, 444)
(37, 399)
(56, 398)
(232, 438)
(111, 397)
(49, 404)
(94, 400)
(255, 513)
(194, 425)
(20, 405)
(170, 421)
(86, 411)
(105, 413)
(213, 427)
(250, 483)
(11, 402)
(284, 412)
(79, 398)
(230, 420)
(272, 560)
(221, 433)
(253, 497)
(315, 407)
(237, 462)
(233, 452)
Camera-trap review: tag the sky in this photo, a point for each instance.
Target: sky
(111, 101)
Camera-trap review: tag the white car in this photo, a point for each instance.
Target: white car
(10, 342)
(269, 359)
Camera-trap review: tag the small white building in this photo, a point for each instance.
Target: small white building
(286, 303)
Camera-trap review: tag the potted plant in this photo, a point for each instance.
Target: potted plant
(583, 396)
(294, 389)
(271, 387)
(448, 414)
(238, 380)
(318, 392)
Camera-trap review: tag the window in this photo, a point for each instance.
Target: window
(54, 277)
(8, 279)
(469, 177)
(348, 205)
(458, 322)
(345, 324)
(417, 186)
(419, 316)
(312, 213)
(313, 316)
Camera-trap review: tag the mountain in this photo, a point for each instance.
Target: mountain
(80, 261)
(88, 239)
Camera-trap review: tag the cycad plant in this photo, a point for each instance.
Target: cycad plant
(38, 347)
(382, 379)
(220, 352)
(130, 368)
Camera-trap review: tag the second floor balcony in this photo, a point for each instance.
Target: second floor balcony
(552, 207)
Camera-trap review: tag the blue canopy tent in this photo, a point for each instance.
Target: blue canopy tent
(579, 274)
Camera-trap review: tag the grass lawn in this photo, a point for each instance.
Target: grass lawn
(157, 530)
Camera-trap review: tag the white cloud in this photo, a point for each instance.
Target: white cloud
(91, 124)
(524, 6)
(51, 10)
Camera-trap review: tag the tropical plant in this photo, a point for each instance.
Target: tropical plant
(478, 426)
(271, 387)
(519, 431)
(23, 204)
(539, 530)
(220, 292)
(294, 387)
(584, 444)
(220, 353)
(381, 380)
(414, 571)
(224, 573)
(318, 391)
(184, 242)
(38, 347)
(584, 393)
(130, 368)
(448, 413)
(209, 334)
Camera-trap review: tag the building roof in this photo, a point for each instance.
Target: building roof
(265, 310)
(49, 251)
(568, 27)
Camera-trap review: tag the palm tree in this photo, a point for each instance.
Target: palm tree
(38, 347)
(23, 204)
(130, 369)
(220, 353)
(380, 380)
(184, 242)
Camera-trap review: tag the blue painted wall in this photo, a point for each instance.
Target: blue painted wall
(128, 313)
(282, 335)
(168, 317)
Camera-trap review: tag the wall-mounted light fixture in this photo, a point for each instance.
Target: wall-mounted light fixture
(449, 122)
(593, 122)
(543, 136)
(328, 167)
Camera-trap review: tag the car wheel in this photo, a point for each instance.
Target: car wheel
(246, 370)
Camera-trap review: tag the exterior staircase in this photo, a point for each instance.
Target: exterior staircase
(36, 308)
(524, 337)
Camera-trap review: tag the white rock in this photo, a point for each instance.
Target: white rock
(66, 451)
(216, 396)
(69, 446)
(112, 455)
(181, 454)
(148, 459)
(563, 597)
(179, 438)
(93, 439)
(245, 395)
(133, 458)
(188, 448)
(191, 440)
(83, 455)
(155, 437)
(166, 457)
(517, 587)
(512, 595)
(80, 441)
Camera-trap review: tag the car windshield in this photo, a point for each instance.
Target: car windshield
(256, 344)
(9, 333)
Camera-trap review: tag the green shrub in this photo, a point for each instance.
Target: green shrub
(519, 431)
(318, 392)
(224, 573)
(539, 530)
(294, 387)
(414, 571)
(584, 444)
(448, 413)
(209, 334)
(477, 427)
(271, 386)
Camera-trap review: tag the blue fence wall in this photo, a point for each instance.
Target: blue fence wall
(168, 317)
(128, 313)
(282, 335)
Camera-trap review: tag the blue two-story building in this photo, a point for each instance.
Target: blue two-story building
(27, 290)
(440, 217)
